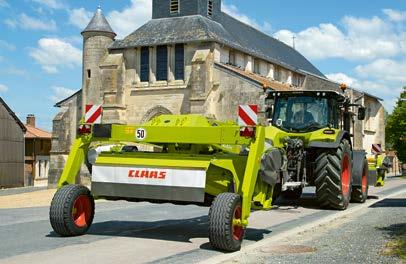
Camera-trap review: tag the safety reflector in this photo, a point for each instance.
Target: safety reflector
(84, 129)
(247, 115)
(376, 149)
(93, 114)
(247, 132)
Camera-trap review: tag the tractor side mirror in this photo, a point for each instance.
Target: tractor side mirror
(361, 113)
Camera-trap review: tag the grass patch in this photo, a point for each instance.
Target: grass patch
(397, 246)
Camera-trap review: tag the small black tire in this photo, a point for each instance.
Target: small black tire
(72, 210)
(359, 194)
(223, 234)
(294, 194)
(333, 177)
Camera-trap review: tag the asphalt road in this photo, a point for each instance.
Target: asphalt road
(141, 232)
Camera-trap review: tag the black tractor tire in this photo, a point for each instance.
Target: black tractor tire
(333, 177)
(294, 194)
(72, 210)
(276, 193)
(359, 194)
(223, 234)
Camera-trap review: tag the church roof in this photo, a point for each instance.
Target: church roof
(98, 23)
(225, 30)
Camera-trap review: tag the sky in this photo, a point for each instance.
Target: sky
(361, 43)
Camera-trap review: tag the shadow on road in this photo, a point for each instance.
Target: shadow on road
(170, 230)
(390, 202)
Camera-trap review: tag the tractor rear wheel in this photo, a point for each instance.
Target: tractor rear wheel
(360, 193)
(72, 210)
(225, 216)
(333, 177)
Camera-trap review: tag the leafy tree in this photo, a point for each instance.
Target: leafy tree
(396, 127)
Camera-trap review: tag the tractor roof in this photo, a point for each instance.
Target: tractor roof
(324, 93)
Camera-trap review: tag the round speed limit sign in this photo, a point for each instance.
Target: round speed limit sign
(140, 134)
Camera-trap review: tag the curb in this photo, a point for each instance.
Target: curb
(294, 231)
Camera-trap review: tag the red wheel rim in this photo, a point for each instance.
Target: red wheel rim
(81, 211)
(364, 181)
(238, 230)
(345, 176)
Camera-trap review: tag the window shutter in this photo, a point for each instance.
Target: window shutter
(162, 63)
(179, 62)
(144, 72)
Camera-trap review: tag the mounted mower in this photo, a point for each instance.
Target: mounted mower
(209, 163)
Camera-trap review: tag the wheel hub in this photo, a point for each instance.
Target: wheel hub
(81, 211)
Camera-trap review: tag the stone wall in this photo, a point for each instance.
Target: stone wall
(64, 129)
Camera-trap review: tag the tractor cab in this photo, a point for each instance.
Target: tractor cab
(307, 111)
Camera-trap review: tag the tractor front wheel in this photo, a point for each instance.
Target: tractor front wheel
(333, 177)
(360, 193)
(72, 210)
(225, 229)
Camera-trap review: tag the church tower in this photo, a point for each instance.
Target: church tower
(97, 36)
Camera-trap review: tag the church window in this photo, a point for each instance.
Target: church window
(179, 62)
(162, 63)
(89, 73)
(144, 72)
(257, 66)
(210, 8)
(174, 6)
(231, 59)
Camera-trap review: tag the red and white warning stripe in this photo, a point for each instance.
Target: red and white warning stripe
(248, 115)
(93, 114)
(376, 149)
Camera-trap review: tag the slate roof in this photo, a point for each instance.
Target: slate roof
(226, 30)
(18, 121)
(264, 82)
(98, 23)
(60, 103)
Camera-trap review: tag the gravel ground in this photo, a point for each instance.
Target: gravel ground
(360, 238)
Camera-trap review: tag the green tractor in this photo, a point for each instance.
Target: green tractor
(229, 168)
(310, 133)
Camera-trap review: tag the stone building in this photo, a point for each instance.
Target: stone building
(189, 58)
(11, 148)
(37, 153)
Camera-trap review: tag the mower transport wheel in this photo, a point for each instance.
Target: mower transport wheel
(72, 210)
(360, 193)
(225, 229)
(294, 194)
(333, 177)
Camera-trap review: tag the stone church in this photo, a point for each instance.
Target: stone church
(189, 58)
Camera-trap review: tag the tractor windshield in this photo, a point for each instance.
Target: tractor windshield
(301, 113)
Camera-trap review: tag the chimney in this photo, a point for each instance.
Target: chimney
(31, 120)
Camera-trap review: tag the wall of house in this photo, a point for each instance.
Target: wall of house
(374, 124)
(65, 125)
(11, 151)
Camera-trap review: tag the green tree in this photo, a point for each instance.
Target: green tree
(396, 127)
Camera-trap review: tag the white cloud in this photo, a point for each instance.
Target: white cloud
(343, 78)
(53, 54)
(384, 69)
(3, 88)
(3, 3)
(358, 39)
(130, 18)
(233, 11)
(80, 17)
(6, 45)
(53, 4)
(60, 93)
(31, 23)
(395, 15)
